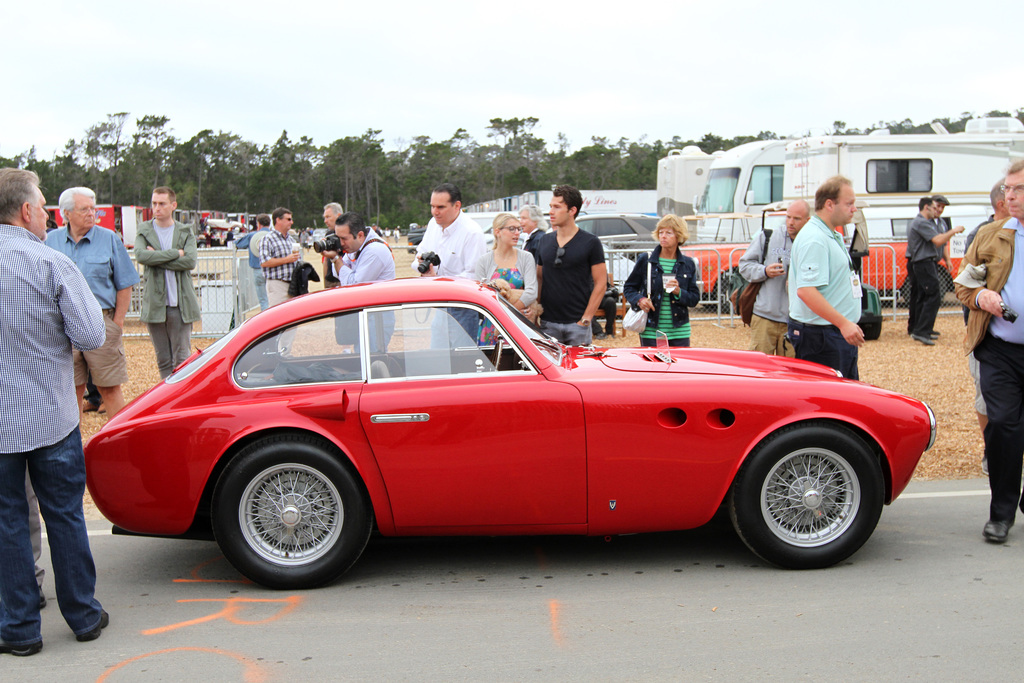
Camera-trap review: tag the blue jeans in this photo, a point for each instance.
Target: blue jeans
(58, 477)
(261, 288)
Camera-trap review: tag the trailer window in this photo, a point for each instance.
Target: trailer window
(766, 184)
(899, 175)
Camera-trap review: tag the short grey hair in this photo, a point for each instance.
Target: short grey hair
(17, 187)
(536, 215)
(335, 207)
(66, 203)
(996, 195)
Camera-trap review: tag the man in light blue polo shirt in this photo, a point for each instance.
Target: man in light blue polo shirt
(824, 289)
(101, 256)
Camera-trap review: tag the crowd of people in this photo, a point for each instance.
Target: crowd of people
(67, 293)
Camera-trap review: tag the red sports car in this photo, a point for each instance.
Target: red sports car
(431, 407)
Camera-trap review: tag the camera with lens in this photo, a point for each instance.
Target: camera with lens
(1009, 315)
(427, 259)
(329, 243)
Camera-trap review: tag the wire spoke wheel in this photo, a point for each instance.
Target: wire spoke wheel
(811, 497)
(290, 514)
(808, 496)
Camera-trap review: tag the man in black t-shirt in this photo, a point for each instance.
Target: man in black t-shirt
(571, 271)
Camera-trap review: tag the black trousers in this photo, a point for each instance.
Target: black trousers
(1002, 385)
(925, 296)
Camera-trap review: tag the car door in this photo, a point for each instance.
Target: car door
(465, 437)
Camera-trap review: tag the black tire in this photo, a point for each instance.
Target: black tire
(834, 486)
(288, 515)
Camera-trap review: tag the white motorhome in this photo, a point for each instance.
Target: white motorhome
(745, 179)
(892, 172)
(682, 176)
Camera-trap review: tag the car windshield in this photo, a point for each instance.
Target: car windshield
(547, 345)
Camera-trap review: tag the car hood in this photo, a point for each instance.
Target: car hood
(708, 362)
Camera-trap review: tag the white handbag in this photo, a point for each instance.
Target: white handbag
(635, 319)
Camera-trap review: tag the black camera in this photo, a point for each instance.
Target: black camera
(427, 259)
(1009, 315)
(329, 243)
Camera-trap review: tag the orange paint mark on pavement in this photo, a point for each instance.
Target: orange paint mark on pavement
(556, 632)
(231, 608)
(252, 672)
(198, 579)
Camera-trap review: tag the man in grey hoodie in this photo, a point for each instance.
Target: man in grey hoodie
(771, 308)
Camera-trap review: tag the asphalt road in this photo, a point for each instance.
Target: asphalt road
(925, 599)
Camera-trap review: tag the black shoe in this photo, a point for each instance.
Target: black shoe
(95, 633)
(934, 335)
(21, 650)
(924, 340)
(996, 530)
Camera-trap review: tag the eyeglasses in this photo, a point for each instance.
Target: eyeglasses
(85, 209)
(512, 228)
(1011, 189)
(558, 256)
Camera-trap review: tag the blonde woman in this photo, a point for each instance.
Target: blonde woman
(673, 285)
(505, 262)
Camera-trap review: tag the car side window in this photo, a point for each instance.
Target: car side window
(323, 350)
(438, 341)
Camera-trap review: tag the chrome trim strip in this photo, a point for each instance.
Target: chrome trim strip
(400, 417)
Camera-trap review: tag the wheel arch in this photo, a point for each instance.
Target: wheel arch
(857, 430)
(368, 475)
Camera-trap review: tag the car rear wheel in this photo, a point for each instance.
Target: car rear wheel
(287, 514)
(809, 496)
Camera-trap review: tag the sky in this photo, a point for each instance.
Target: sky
(637, 69)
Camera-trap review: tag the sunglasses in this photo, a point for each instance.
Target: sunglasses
(558, 256)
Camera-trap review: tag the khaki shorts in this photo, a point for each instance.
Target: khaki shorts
(768, 336)
(108, 364)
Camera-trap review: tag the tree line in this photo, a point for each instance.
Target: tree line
(221, 171)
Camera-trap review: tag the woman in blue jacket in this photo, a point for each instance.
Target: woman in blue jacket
(673, 285)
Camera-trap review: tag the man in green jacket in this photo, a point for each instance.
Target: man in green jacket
(167, 249)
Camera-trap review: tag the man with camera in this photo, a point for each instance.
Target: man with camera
(451, 246)
(365, 258)
(451, 236)
(997, 339)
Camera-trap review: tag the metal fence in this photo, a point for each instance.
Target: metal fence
(227, 293)
(885, 269)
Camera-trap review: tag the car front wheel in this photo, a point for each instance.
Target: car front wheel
(287, 514)
(809, 496)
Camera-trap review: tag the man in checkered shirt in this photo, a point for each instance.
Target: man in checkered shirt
(46, 308)
(278, 255)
